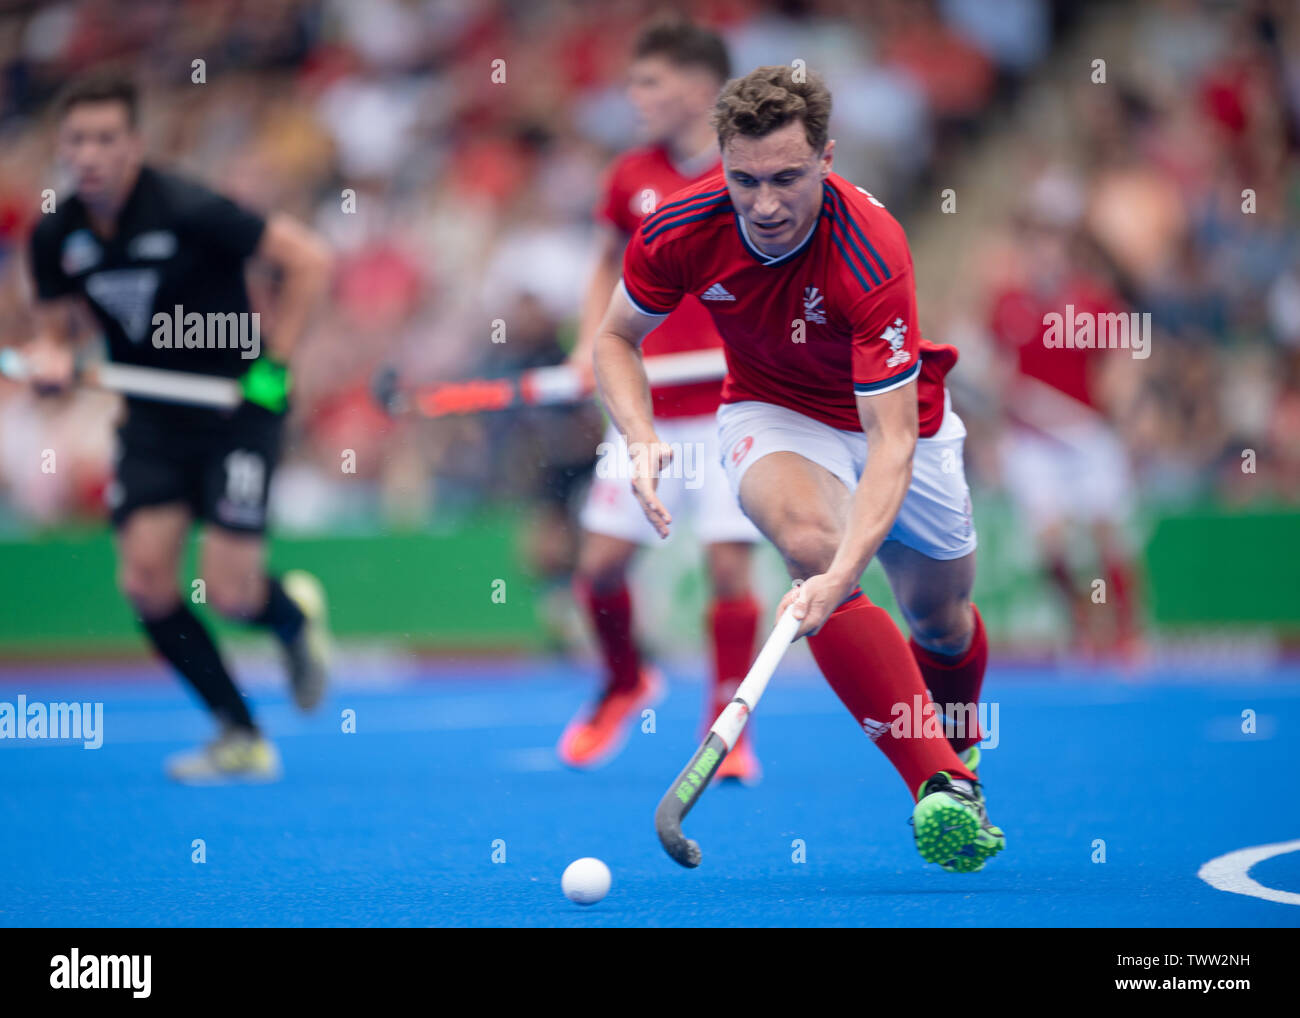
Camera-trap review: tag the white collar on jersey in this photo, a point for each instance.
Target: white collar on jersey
(768, 259)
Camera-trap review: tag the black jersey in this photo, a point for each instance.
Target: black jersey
(177, 243)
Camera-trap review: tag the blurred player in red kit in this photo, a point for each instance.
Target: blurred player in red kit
(1062, 462)
(674, 79)
(836, 427)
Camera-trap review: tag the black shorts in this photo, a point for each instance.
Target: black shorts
(220, 468)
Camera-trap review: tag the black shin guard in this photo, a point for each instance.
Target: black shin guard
(184, 642)
(280, 615)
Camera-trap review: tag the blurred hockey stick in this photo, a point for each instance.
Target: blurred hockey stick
(141, 383)
(537, 387)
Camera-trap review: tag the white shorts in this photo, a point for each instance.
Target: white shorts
(1079, 474)
(695, 484)
(935, 517)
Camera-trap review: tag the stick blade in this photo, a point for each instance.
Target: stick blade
(681, 849)
(681, 796)
(668, 825)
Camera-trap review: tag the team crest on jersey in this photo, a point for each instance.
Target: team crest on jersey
(80, 251)
(814, 311)
(156, 244)
(894, 336)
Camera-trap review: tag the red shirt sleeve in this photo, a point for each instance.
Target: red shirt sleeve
(614, 206)
(886, 338)
(649, 277)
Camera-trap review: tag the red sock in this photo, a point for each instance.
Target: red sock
(611, 618)
(1059, 572)
(733, 624)
(1120, 576)
(957, 680)
(865, 659)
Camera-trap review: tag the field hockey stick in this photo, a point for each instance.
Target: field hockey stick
(548, 386)
(1032, 405)
(685, 792)
(142, 383)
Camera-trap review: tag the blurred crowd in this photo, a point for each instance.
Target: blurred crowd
(1171, 186)
(452, 152)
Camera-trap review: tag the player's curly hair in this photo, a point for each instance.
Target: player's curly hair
(767, 99)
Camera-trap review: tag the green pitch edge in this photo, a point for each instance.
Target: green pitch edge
(57, 590)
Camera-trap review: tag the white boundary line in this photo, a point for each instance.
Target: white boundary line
(1231, 872)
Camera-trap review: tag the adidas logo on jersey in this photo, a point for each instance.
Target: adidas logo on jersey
(716, 292)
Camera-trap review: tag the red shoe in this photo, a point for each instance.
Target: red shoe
(1131, 653)
(593, 739)
(741, 765)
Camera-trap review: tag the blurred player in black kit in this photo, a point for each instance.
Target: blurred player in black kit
(137, 246)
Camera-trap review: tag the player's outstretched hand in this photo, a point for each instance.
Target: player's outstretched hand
(813, 601)
(49, 366)
(648, 461)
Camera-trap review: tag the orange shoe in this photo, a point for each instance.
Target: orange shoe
(594, 738)
(741, 765)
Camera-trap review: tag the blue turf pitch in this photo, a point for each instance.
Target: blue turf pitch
(396, 824)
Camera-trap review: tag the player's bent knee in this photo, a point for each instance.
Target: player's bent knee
(152, 590)
(602, 565)
(233, 601)
(808, 549)
(945, 629)
(728, 586)
(602, 575)
(729, 570)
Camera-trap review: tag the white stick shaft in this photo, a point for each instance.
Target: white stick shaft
(169, 386)
(682, 368)
(561, 384)
(146, 383)
(734, 716)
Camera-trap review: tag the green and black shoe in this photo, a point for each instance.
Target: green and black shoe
(946, 819)
(971, 758)
(990, 840)
(951, 825)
